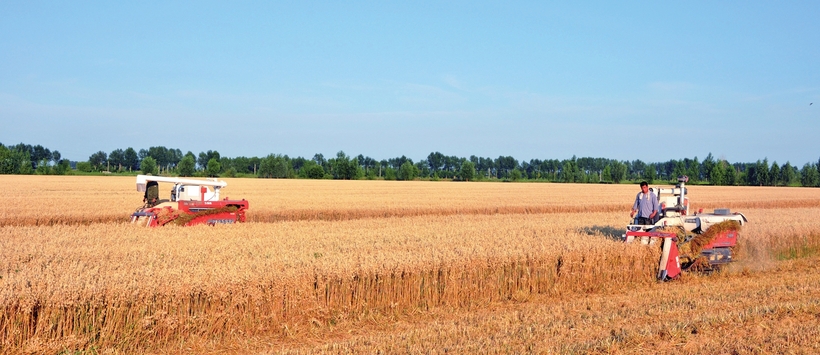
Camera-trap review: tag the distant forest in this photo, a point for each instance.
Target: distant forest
(27, 159)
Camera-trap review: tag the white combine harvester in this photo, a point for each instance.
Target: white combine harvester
(192, 201)
(702, 241)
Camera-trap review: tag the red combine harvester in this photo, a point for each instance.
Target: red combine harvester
(699, 241)
(192, 202)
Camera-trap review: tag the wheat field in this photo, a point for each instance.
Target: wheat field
(49, 200)
(348, 266)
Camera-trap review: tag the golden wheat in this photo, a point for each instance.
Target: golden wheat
(48, 200)
(71, 279)
(283, 275)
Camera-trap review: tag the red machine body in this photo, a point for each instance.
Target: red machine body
(725, 239)
(189, 213)
(669, 265)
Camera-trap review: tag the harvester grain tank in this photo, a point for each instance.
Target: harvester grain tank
(689, 241)
(192, 202)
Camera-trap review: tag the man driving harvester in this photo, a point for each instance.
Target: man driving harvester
(646, 205)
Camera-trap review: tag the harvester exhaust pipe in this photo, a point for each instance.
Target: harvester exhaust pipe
(683, 205)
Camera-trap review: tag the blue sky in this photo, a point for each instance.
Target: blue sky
(623, 80)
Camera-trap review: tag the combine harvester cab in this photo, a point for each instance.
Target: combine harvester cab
(697, 242)
(192, 202)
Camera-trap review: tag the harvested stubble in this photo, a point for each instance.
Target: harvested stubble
(773, 312)
(50, 200)
(115, 282)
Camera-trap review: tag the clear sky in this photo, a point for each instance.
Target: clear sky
(654, 80)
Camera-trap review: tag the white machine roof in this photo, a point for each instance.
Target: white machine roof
(142, 180)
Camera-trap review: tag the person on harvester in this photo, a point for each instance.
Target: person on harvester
(646, 205)
(151, 197)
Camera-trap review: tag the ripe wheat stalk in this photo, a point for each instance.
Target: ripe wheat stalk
(74, 279)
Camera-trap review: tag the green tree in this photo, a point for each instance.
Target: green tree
(763, 172)
(62, 167)
(618, 172)
(98, 160)
(707, 166)
(606, 174)
(423, 169)
(787, 174)
(774, 174)
(132, 160)
(435, 161)
(43, 168)
(311, 170)
(148, 166)
(467, 171)
(730, 175)
(356, 171)
(679, 170)
(809, 176)
(389, 173)
(716, 173)
(650, 174)
(14, 161)
(515, 175)
(407, 171)
(693, 170)
(187, 166)
(315, 171)
(213, 168)
(274, 166)
(56, 157)
(84, 166)
(344, 167)
(37, 154)
(205, 157)
(371, 174)
(116, 158)
(568, 171)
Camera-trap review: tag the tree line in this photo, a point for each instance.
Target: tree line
(28, 159)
